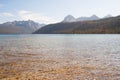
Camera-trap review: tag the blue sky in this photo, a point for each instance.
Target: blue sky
(50, 11)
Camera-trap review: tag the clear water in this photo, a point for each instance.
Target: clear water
(98, 49)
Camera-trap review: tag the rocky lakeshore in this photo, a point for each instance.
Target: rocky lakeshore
(26, 66)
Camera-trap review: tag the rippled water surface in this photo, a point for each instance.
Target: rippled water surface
(102, 50)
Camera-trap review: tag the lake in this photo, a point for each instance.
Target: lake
(60, 57)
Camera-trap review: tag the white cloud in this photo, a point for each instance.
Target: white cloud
(26, 15)
(6, 14)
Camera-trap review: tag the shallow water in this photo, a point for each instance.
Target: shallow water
(101, 50)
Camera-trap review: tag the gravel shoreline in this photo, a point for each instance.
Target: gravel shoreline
(26, 66)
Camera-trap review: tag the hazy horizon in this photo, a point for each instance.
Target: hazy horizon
(54, 11)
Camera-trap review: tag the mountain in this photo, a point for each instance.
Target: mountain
(107, 25)
(69, 18)
(108, 16)
(93, 17)
(19, 27)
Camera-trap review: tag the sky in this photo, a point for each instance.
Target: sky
(52, 11)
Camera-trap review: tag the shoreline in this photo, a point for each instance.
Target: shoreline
(28, 66)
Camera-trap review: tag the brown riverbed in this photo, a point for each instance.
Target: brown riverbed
(26, 66)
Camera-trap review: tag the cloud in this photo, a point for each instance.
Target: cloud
(26, 15)
(6, 14)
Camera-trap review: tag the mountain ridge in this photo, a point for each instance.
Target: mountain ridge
(70, 18)
(101, 26)
(19, 27)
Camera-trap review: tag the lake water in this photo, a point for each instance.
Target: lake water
(102, 50)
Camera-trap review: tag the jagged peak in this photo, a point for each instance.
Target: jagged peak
(94, 16)
(108, 16)
(69, 18)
